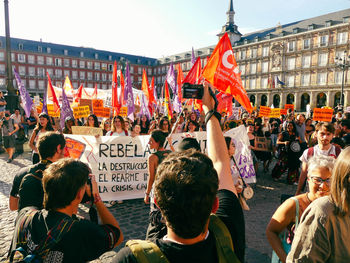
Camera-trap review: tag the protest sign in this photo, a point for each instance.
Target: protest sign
(289, 106)
(85, 130)
(283, 112)
(262, 144)
(323, 114)
(275, 113)
(81, 112)
(51, 112)
(123, 111)
(99, 110)
(86, 102)
(264, 111)
(120, 163)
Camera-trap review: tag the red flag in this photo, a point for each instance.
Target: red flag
(122, 85)
(77, 96)
(224, 103)
(222, 72)
(94, 94)
(152, 99)
(51, 93)
(145, 84)
(115, 102)
(167, 100)
(194, 75)
(180, 78)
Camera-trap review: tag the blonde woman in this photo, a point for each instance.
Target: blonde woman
(324, 232)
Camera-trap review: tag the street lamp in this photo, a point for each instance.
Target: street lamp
(344, 64)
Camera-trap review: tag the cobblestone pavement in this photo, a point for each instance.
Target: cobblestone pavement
(132, 215)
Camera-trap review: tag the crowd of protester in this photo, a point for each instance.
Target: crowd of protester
(298, 147)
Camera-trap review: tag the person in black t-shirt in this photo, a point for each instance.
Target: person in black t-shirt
(188, 188)
(27, 188)
(65, 183)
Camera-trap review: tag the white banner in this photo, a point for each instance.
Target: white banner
(120, 163)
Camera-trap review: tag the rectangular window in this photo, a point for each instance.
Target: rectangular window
(254, 53)
(97, 65)
(321, 78)
(149, 71)
(252, 68)
(48, 50)
(81, 64)
(31, 71)
(306, 61)
(41, 84)
(252, 84)
(22, 71)
(342, 38)
(265, 51)
(242, 69)
(290, 81)
(74, 63)
(89, 64)
(338, 77)
(132, 69)
(81, 54)
(97, 76)
(322, 59)
(242, 54)
(74, 74)
(82, 74)
(32, 84)
(290, 63)
(31, 59)
(66, 62)
(58, 73)
(50, 71)
(65, 52)
(110, 67)
(40, 60)
(41, 72)
(48, 61)
(96, 56)
(89, 75)
(305, 79)
(306, 43)
(132, 79)
(2, 56)
(323, 41)
(75, 85)
(104, 86)
(139, 70)
(104, 66)
(2, 68)
(21, 58)
(291, 46)
(66, 73)
(264, 66)
(263, 83)
(58, 62)
(110, 76)
(40, 49)
(104, 76)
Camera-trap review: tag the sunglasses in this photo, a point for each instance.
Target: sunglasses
(318, 180)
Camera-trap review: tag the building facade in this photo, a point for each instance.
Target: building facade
(286, 64)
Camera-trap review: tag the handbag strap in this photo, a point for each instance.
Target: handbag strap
(296, 211)
(239, 172)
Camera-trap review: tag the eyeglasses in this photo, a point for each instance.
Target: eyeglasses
(318, 180)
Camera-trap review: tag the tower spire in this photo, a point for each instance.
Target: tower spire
(230, 28)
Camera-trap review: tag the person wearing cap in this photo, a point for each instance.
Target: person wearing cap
(8, 128)
(42, 126)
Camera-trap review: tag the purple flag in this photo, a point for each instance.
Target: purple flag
(66, 111)
(128, 94)
(27, 102)
(144, 109)
(193, 59)
(44, 110)
(170, 78)
(177, 103)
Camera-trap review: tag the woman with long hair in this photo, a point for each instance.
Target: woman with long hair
(324, 233)
(164, 125)
(68, 123)
(42, 126)
(144, 123)
(288, 214)
(156, 142)
(92, 121)
(106, 125)
(118, 127)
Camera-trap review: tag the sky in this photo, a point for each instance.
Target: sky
(151, 28)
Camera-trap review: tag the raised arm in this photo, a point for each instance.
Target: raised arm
(217, 150)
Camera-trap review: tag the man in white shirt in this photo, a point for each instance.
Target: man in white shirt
(324, 147)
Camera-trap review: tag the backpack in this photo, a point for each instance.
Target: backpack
(54, 235)
(310, 152)
(146, 251)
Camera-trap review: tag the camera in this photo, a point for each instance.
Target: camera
(192, 91)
